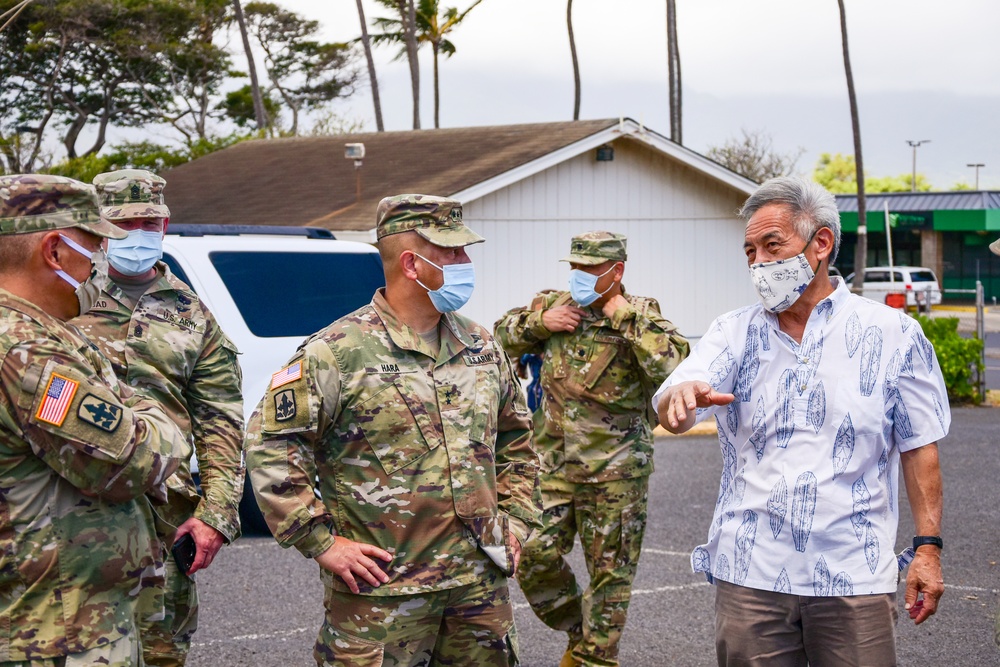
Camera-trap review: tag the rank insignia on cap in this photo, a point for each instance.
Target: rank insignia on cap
(59, 395)
(286, 375)
(136, 192)
(284, 405)
(101, 414)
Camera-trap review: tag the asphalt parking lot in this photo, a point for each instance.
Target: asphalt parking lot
(262, 605)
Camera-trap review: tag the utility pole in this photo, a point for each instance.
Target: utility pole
(915, 145)
(976, 166)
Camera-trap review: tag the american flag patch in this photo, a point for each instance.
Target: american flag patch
(58, 397)
(286, 375)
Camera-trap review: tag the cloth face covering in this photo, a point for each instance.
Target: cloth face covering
(459, 281)
(91, 288)
(135, 255)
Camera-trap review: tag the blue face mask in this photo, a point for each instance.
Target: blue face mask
(459, 281)
(135, 255)
(582, 284)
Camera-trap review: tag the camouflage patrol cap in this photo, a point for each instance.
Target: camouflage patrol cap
(437, 219)
(995, 247)
(594, 248)
(40, 202)
(131, 193)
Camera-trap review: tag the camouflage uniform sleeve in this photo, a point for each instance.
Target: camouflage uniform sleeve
(282, 438)
(655, 341)
(215, 398)
(108, 442)
(520, 330)
(518, 493)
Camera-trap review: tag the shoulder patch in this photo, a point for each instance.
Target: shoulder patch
(99, 413)
(59, 395)
(284, 405)
(287, 375)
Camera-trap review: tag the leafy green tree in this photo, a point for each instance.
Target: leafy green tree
(305, 73)
(754, 157)
(838, 174)
(240, 107)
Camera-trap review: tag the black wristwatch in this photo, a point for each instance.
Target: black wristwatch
(921, 540)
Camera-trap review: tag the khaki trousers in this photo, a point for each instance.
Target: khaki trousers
(757, 628)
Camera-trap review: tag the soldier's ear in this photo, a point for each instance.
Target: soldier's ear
(49, 249)
(408, 264)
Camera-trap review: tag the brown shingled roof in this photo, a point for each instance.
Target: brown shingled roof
(307, 181)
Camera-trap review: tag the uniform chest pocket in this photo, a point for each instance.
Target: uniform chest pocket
(158, 338)
(392, 428)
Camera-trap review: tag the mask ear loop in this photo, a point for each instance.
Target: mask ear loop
(612, 282)
(417, 254)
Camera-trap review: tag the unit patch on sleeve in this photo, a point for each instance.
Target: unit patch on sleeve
(287, 375)
(99, 413)
(284, 405)
(59, 395)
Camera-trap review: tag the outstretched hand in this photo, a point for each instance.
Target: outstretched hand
(349, 559)
(676, 409)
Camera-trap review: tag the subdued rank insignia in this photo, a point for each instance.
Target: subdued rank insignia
(101, 414)
(284, 405)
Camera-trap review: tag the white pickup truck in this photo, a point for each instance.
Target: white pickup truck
(270, 287)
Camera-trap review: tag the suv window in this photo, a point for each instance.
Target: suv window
(268, 288)
(922, 277)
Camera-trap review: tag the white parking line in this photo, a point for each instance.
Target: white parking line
(282, 635)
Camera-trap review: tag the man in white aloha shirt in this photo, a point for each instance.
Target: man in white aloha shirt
(819, 396)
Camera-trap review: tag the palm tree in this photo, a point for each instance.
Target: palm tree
(371, 66)
(861, 250)
(258, 102)
(433, 27)
(576, 62)
(674, 70)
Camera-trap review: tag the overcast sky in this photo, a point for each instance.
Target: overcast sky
(923, 69)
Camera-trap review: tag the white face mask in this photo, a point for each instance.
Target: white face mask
(780, 283)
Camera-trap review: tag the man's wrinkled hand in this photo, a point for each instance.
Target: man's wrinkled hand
(562, 318)
(348, 559)
(207, 541)
(676, 409)
(924, 584)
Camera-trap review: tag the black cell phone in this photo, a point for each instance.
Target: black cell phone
(184, 551)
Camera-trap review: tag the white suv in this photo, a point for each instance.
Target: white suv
(270, 287)
(918, 283)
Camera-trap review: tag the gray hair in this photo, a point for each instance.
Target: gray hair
(811, 206)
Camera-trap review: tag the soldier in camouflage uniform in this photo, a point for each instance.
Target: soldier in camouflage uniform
(78, 449)
(410, 418)
(163, 341)
(600, 365)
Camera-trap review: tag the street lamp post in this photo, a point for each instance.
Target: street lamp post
(915, 144)
(976, 166)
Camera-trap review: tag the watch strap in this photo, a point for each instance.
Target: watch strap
(921, 540)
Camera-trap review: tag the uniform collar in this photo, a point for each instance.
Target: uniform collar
(165, 281)
(454, 338)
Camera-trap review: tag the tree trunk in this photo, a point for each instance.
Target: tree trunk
(258, 102)
(576, 62)
(408, 14)
(366, 42)
(437, 91)
(861, 250)
(73, 130)
(674, 73)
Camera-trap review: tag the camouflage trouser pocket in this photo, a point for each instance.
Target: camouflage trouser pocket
(336, 648)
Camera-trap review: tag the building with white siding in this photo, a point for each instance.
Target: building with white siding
(526, 188)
